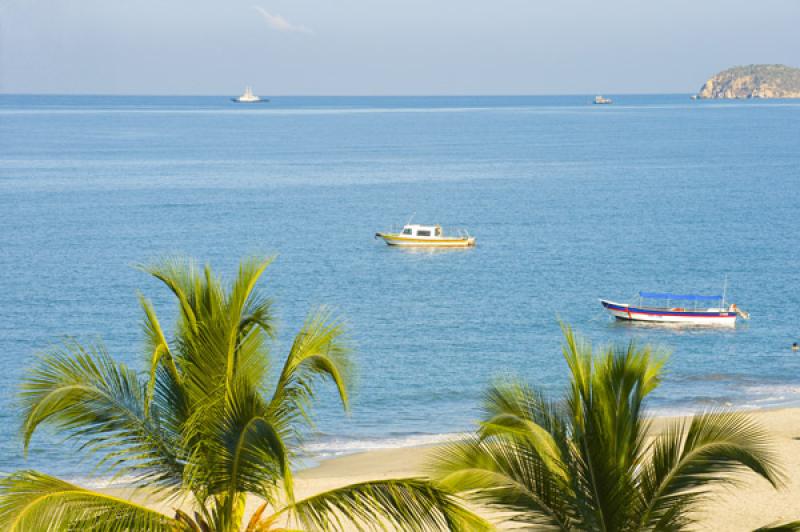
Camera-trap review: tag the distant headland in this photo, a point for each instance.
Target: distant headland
(753, 81)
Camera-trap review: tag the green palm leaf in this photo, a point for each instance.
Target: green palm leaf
(505, 475)
(240, 299)
(242, 451)
(793, 526)
(319, 352)
(100, 404)
(608, 427)
(158, 346)
(412, 504)
(244, 303)
(515, 411)
(686, 461)
(181, 277)
(30, 500)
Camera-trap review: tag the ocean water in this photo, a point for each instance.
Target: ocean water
(569, 202)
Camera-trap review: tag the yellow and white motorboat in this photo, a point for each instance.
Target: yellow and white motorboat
(426, 236)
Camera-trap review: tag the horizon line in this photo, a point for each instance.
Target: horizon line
(343, 95)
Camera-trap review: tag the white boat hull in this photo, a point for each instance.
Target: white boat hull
(256, 100)
(711, 316)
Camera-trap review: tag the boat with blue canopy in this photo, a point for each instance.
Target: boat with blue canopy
(665, 307)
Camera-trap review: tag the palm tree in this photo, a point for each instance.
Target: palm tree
(202, 428)
(592, 462)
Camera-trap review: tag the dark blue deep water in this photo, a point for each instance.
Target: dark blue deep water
(569, 202)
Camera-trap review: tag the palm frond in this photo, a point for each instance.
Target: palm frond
(792, 526)
(198, 524)
(412, 504)
(181, 277)
(687, 461)
(220, 332)
(608, 425)
(243, 302)
(237, 302)
(238, 449)
(508, 476)
(30, 500)
(214, 403)
(517, 411)
(157, 347)
(319, 353)
(100, 404)
(258, 522)
(204, 363)
(515, 398)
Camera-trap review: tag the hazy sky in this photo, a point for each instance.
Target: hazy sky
(286, 47)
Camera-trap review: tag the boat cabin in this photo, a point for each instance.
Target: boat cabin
(422, 231)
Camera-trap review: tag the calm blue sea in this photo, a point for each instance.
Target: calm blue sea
(569, 201)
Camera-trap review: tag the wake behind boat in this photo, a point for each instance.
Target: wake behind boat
(429, 236)
(249, 97)
(702, 311)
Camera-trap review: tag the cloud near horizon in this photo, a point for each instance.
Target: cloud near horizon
(278, 23)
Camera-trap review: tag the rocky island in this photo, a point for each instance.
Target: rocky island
(753, 81)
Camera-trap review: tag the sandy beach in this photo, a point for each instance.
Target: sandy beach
(752, 504)
(755, 503)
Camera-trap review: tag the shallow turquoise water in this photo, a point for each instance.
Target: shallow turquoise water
(569, 201)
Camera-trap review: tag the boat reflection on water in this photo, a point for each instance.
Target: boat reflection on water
(408, 250)
(677, 328)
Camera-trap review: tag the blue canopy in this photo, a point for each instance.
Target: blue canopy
(690, 297)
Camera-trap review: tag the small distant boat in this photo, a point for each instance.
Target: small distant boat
(428, 236)
(703, 312)
(602, 101)
(249, 97)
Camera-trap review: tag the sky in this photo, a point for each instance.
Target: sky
(386, 47)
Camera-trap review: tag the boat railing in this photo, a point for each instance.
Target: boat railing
(677, 305)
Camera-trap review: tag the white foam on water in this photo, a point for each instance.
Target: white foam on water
(765, 396)
(102, 482)
(749, 397)
(338, 446)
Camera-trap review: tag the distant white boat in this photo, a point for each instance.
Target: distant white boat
(249, 97)
(600, 100)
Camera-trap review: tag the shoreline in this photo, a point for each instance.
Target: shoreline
(750, 505)
(437, 439)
